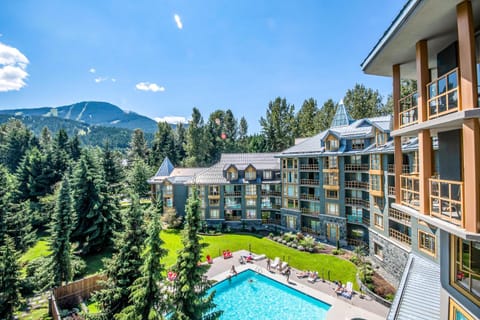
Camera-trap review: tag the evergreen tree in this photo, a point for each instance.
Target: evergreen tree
(124, 266)
(45, 139)
(138, 146)
(9, 279)
(15, 140)
(195, 150)
(230, 128)
(180, 142)
(278, 126)
(74, 146)
(306, 126)
(362, 102)
(137, 178)
(146, 300)
(324, 117)
(112, 169)
(62, 225)
(189, 298)
(242, 135)
(163, 145)
(256, 143)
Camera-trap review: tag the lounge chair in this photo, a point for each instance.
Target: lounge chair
(302, 274)
(227, 254)
(313, 277)
(257, 257)
(282, 267)
(275, 263)
(209, 259)
(348, 292)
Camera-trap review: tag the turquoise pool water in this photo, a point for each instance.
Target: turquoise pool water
(250, 295)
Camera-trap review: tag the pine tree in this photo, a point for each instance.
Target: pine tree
(362, 102)
(196, 152)
(305, 119)
(242, 135)
(137, 178)
(75, 149)
(180, 143)
(45, 139)
(189, 298)
(163, 145)
(324, 117)
(146, 300)
(60, 259)
(113, 172)
(278, 126)
(138, 146)
(230, 128)
(124, 266)
(9, 279)
(16, 139)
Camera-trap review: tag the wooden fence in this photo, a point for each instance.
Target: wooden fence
(72, 293)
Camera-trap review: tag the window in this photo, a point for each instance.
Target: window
(375, 182)
(375, 162)
(214, 202)
(331, 194)
(331, 209)
(232, 174)
(290, 203)
(214, 213)
(251, 214)
(168, 189)
(251, 190)
(378, 220)
(467, 268)
(169, 202)
(457, 312)
(426, 242)
(291, 191)
(251, 202)
(266, 203)
(290, 163)
(379, 202)
(331, 162)
(214, 190)
(378, 250)
(332, 144)
(358, 144)
(331, 179)
(356, 159)
(291, 221)
(381, 138)
(250, 173)
(267, 174)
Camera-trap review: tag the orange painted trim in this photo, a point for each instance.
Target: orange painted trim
(423, 78)
(396, 96)
(398, 158)
(471, 174)
(425, 165)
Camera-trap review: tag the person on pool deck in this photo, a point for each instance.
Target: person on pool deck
(232, 270)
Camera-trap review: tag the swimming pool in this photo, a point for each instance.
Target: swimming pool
(250, 295)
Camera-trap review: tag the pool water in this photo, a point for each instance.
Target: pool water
(250, 295)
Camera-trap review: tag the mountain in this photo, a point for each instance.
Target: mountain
(90, 135)
(92, 113)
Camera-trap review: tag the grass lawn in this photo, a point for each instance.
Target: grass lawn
(40, 249)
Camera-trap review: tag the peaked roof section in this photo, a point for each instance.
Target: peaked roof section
(165, 168)
(341, 117)
(418, 295)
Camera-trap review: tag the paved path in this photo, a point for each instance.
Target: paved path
(342, 308)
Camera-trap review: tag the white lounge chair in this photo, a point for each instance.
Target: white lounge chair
(348, 292)
(283, 266)
(275, 263)
(313, 277)
(257, 257)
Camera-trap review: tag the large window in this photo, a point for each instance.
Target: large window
(375, 162)
(331, 208)
(267, 174)
(378, 220)
(375, 182)
(467, 267)
(251, 214)
(426, 242)
(251, 202)
(214, 190)
(291, 221)
(251, 190)
(331, 194)
(214, 202)
(358, 144)
(250, 174)
(381, 138)
(356, 159)
(214, 213)
(457, 312)
(331, 162)
(332, 144)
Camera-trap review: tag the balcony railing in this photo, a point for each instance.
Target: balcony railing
(233, 194)
(405, 168)
(309, 167)
(399, 216)
(270, 206)
(311, 197)
(391, 191)
(271, 193)
(310, 182)
(356, 184)
(446, 200)
(233, 205)
(410, 191)
(276, 222)
(233, 218)
(310, 231)
(214, 196)
(357, 202)
(443, 95)
(356, 167)
(391, 168)
(309, 211)
(358, 220)
(400, 236)
(408, 110)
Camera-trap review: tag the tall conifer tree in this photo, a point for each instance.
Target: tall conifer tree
(9, 279)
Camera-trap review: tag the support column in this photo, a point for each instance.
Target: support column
(471, 175)
(425, 169)
(466, 55)
(423, 77)
(396, 96)
(398, 158)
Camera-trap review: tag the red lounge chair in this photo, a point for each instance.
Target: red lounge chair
(227, 254)
(209, 259)
(171, 276)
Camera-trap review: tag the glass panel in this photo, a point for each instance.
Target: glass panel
(452, 81)
(442, 85)
(442, 104)
(452, 100)
(432, 90)
(433, 107)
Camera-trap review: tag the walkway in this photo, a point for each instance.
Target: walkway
(342, 308)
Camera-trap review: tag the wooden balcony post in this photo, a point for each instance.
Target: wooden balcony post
(396, 96)
(466, 55)
(471, 175)
(422, 79)
(425, 169)
(398, 158)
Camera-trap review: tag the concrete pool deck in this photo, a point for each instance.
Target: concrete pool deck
(341, 308)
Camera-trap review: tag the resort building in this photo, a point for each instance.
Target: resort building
(437, 44)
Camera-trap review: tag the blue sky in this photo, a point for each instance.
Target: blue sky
(162, 58)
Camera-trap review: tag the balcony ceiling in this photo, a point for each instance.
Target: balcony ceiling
(434, 20)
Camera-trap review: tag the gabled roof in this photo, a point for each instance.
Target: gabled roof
(341, 117)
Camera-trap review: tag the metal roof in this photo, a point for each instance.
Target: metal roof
(418, 296)
(165, 168)
(341, 117)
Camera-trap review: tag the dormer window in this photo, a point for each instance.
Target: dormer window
(232, 173)
(380, 138)
(358, 144)
(331, 144)
(267, 174)
(250, 173)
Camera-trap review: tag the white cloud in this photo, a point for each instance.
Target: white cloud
(147, 86)
(171, 119)
(100, 79)
(178, 21)
(113, 80)
(92, 70)
(13, 65)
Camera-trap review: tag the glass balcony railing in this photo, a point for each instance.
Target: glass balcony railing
(408, 110)
(443, 95)
(358, 220)
(446, 200)
(410, 191)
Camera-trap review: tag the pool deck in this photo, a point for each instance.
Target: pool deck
(342, 308)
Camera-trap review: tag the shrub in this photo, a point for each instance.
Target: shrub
(289, 236)
(337, 252)
(300, 236)
(308, 242)
(171, 219)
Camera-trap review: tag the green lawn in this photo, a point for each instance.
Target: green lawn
(40, 249)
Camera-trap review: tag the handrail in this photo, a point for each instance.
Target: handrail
(443, 94)
(400, 236)
(312, 182)
(309, 197)
(356, 167)
(356, 184)
(357, 202)
(312, 167)
(410, 191)
(446, 200)
(399, 216)
(408, 114)
(310, 211)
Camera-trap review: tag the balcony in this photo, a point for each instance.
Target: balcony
(214, 196)
(309, 211)
(408, 110)
(276, 222)
(410, 191)
(271, 193)
(443, 95)
(356, 184)
(357, 202)
(400, 236)
(391, 191)
(356, 167)
(310, 182)
(358, 220)
(309, 167)
(233, 194)
(399, 216)
(446, 200)
(267, 206)
(405, 168)
(310, 197)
